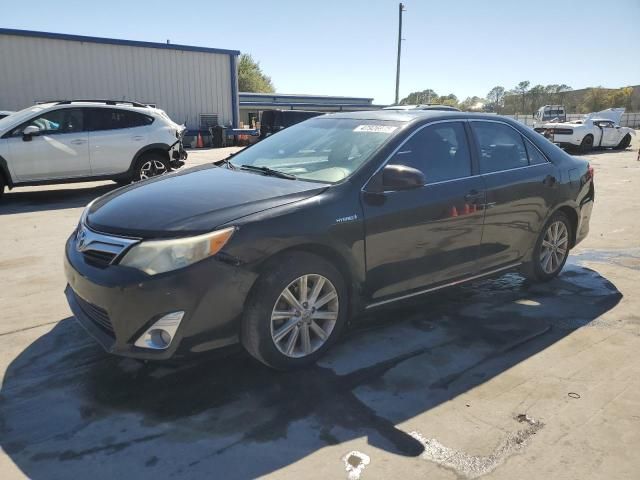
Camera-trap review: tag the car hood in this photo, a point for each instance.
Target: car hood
(193, 201)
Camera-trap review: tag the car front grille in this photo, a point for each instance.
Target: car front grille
(101, 250)
(97, 315)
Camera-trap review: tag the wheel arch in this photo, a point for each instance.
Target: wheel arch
(161, 148)
(573, 217)
(326, 252)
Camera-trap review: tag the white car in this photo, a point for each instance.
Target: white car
(596, 130)
(86, 140)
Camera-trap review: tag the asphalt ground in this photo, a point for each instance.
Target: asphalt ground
(498, 378)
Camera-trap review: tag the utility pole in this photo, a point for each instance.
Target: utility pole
(400, 10)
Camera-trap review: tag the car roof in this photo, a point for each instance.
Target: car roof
(412, 115)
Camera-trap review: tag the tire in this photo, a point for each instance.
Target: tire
(261, 325)
(624, 143)
(2, 182)
(150, 165)
(587, 144)
(537, 269)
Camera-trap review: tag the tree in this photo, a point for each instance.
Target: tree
(251, 78)
(416, 98)
(450, 100)
(495, 97)
(596, 99)
(561, 90)
(537, 98)
(621, 97)
(521, 89)
(472, 104)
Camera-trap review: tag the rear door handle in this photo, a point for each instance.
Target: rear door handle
(79, 141)
(137, 138)
(549, 180)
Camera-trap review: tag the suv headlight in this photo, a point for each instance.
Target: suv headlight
(159, 256)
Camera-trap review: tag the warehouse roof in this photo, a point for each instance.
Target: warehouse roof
(289, 96)
(114, 41)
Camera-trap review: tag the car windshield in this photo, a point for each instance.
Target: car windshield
(321, 149)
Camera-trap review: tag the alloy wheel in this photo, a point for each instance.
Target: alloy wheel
(555, 247)
(304, 315)
(152, 168)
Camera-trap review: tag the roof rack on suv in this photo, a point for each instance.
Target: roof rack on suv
(106, 102)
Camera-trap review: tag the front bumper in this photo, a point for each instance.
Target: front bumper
(117, 304)
(177, 154)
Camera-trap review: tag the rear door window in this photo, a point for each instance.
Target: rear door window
(114, 119)
(501, 147)
(439, 151)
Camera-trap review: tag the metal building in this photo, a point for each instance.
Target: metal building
(194, 85)
(253, 104)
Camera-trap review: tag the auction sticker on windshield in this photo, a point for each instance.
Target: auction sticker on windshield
(375, 128)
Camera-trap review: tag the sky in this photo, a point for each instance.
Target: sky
(349, 47)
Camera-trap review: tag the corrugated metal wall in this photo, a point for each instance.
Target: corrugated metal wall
(183, 83)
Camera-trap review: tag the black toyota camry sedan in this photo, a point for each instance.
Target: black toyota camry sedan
(279, 245)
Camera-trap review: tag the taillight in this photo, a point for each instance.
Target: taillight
(590, 172)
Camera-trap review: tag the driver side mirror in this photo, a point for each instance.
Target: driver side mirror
(401, 177)
(29, 132)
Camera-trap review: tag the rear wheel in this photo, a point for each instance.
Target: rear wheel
(1, 185)
(587, 144)
(551, 250)
(150, 165)
(295, 313)
(624, 143)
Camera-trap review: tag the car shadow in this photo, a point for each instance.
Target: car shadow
(26, 201)
(68, 410)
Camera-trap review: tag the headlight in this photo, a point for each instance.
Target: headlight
(158, 256)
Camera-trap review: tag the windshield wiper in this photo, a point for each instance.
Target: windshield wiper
(268, 171)
(227, 162)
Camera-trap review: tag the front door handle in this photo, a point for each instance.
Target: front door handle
(79, 141)
(473, 195)
(138, 138)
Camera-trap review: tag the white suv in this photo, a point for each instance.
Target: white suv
(86, 140)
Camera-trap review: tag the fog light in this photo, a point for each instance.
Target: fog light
(160, 335)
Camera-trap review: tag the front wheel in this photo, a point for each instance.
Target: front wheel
(624, 143)
(1, 185)
(551, 250)
(150, 165)
(295, 313)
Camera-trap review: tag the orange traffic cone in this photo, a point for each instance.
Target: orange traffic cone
(454, 211)
(199, 142)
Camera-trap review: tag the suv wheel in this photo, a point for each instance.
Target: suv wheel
(551, 250)
(296, 312)
(150, 165)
